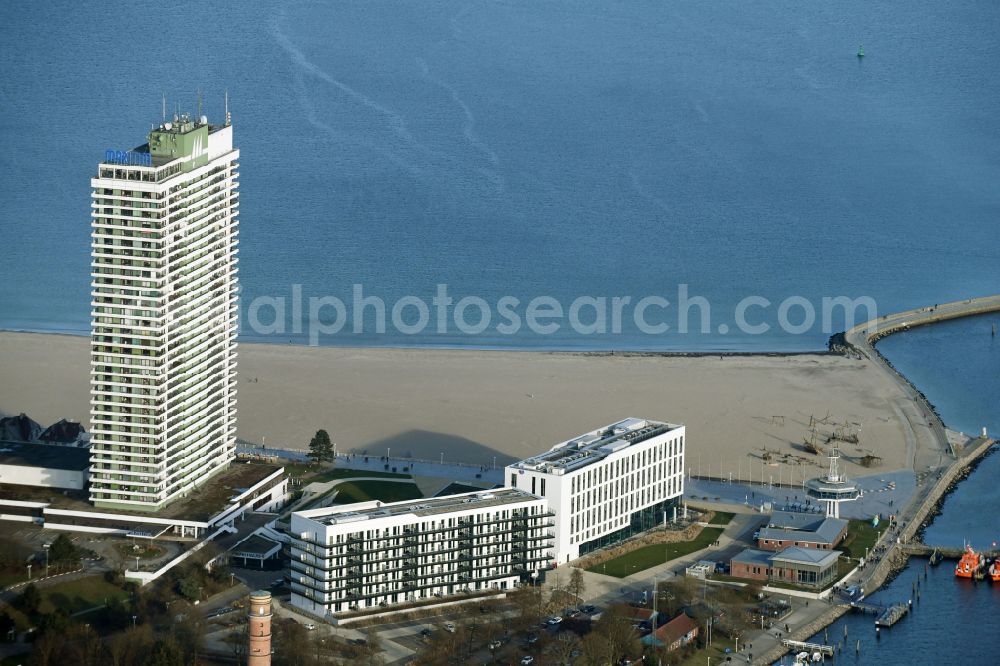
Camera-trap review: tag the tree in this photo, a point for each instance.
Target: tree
(595, 650)
(130, 647)
(82, 645)
(321, 447)
(237, 640)
(528, 601)
(291, 644)
(190, 586)
(189, 633)
(563, 647)
(30, 599)
(165, 652)
(577, 585)
(63, 551)
(617, 631)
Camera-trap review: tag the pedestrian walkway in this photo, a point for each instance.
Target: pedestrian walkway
(884, 493)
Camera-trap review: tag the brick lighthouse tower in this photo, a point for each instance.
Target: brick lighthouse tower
(259, 629)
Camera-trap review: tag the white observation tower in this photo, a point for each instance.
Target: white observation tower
(832, 489)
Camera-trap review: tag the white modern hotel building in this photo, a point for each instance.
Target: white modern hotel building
(164, 315)
(371, 554)
(606, 485)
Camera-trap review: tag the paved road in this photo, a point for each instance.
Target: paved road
(878, 496)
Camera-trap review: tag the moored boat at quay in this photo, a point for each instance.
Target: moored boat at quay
(995, 570)
(971, 563)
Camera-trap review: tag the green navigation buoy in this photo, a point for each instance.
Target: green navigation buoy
(861, 51)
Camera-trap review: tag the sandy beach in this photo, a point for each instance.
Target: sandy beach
(474, 405)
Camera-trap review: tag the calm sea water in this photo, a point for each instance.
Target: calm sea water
(957, 365)
(524, 148)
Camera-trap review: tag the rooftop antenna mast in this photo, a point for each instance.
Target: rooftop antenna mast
(229, 119)
(164, 96)
(199, 104)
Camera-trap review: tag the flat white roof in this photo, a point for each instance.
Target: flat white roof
(588, 448)
(351, 513)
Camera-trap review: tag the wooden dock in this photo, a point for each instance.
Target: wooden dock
(864, 607)
(892, 615)
(811, 647)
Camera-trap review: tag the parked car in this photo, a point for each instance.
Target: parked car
(449, 627)
(277, 582)
(425, 632)
(495, 645)
(554, 620)
(531, 640)
(309, 626)
(527, 659)
(588, 609)
(357, 641)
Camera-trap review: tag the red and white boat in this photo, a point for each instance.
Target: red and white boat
(970, 564)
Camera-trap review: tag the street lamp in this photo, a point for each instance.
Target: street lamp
(46, 547)
(136, 562)
(134, 617)
(29, 572)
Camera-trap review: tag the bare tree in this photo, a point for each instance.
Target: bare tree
(595, 650)
(617, 630)
(577, 585)
(564, 646)
(528, 601)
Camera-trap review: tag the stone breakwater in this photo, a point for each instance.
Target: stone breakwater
(859, 342)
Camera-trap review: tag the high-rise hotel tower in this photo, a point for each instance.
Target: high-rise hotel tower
(164, 315)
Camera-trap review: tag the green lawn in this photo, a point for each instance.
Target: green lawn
(722, 517)
(861, 535)
(387, 491)
(716, 653)
(79, 594)
(650, 556)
